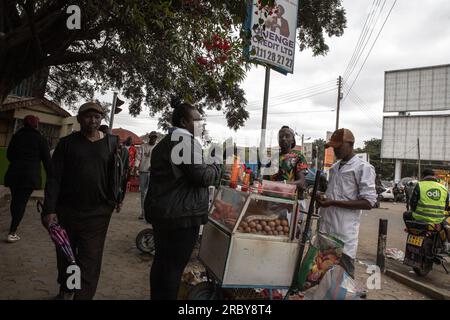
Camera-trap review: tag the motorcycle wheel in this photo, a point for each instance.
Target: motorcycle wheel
(145, 241)
(423, 272)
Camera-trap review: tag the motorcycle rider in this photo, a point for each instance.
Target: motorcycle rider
(429, 203)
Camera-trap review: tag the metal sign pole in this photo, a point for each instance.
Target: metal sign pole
(262, 144)
(113, 109)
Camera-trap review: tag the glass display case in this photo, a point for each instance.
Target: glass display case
(249, 232)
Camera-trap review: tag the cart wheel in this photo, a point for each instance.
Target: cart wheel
(145, 241)
(204, 291)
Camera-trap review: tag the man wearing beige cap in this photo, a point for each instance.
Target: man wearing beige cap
(351, 188)
(78, 196)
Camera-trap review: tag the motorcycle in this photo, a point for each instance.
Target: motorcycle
(425, 246)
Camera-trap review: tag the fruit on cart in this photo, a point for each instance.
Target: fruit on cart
(277, 226)
(324, 252)
(216, 214)
(261, 217)
(224, 211)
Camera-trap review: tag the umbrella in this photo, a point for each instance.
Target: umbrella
(60, 238)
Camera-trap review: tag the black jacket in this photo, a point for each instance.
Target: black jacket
(178, 193)
(25, 152)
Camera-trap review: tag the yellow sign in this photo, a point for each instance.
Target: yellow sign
(415, 240)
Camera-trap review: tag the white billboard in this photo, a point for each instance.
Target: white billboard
(401, 134)
(273, 44)
(419, 89)
(363, 156)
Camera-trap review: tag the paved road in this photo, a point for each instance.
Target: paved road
(396, 238)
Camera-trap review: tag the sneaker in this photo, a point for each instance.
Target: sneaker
(13, 238)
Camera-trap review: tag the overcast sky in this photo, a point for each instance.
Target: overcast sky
(415, 35)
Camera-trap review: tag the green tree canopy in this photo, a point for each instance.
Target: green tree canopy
(154, 52)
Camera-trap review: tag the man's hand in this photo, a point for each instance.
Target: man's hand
(48, 219)
(325, 203)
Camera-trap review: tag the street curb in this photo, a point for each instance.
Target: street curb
(416, 285)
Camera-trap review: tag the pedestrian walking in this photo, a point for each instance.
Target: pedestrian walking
(143, 165)
(177, 201)
(27, 149)
(79, 196)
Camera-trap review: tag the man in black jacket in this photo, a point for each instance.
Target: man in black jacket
(177, 201)
(78, 196)
(25, 152)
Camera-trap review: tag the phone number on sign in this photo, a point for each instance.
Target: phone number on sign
(273, 56)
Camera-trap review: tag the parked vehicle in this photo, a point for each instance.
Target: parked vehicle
(425, 246)
(387, 194)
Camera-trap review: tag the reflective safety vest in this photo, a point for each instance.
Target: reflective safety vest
(432, 201)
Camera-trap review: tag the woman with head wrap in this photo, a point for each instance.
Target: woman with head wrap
(25, 152)
(292, 163)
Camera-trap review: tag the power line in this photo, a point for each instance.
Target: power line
(357, 46)
(373, 44)
(296, 93)
(286, 112)
(366, 42)
(278, 102)
(294, 99)
(364, 109)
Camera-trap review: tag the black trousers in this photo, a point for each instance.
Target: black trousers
(87, 233)
(173, 248)
(19, 199)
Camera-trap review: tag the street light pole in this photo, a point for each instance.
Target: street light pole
(113, 109)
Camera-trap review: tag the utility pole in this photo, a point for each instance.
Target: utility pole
(339, 97)
(418, 152)
(317, 157)
(303, 138)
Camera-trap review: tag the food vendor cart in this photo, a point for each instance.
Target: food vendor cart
(251, 241)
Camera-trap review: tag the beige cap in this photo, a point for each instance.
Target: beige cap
(91, 106)
(339, 137)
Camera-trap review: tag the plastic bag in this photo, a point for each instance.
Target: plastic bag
(323, 253)
(337, 285)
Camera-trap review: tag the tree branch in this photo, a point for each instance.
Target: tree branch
(29, 10)
(70, 57)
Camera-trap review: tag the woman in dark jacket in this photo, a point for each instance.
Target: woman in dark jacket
(25, 152)
(177, 201)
